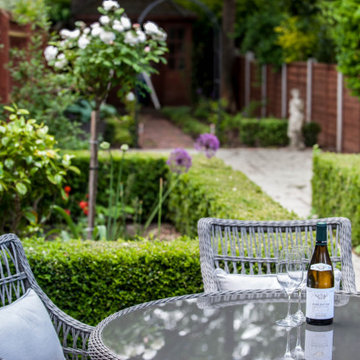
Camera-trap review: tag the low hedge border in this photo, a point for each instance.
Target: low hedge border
(213, 189)
(90, 280)
(335, 187)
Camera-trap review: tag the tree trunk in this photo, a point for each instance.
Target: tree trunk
(93, 171)
(228, 53)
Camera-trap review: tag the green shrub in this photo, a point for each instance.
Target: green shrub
(181, 117)
(91, 280)
(311, 131)
(213, 189)
(117, 130)
(249, 130)
(335, 187)
(263, 132)
(273, 132)
(31, 169)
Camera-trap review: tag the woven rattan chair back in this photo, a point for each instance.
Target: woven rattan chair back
(252, 247)
(16, 278)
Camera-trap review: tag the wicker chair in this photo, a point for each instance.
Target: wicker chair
(240, 247)
(16, 277)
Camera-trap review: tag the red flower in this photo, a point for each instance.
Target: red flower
(86, 211)
(67, 189)
(83, 204)
(67, 211)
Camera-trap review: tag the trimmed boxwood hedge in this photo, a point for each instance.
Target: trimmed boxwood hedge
(336, 187)
(214, 189)
(90, 280)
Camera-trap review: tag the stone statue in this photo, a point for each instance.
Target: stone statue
(296, 120)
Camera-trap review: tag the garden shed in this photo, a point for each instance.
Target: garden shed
(173, 83)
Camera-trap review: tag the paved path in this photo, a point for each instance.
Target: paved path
(158, 133)
(283, 174)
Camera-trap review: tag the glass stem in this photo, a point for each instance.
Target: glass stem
(287, 351)
(298, 339)
(299, 301)
(288, 311)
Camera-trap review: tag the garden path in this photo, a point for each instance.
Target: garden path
(155, 132)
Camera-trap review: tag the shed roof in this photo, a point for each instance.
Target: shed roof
(133, 8)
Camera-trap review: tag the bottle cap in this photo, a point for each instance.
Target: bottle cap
(321, 233)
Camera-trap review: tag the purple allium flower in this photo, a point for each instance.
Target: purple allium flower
(208, 143)
(179, 161)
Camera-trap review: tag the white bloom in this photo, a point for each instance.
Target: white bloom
(50, 53)
(125, 22)
(64, 33)
(124, 147)
(107, 37)
(83, 41)
(130, 38)
(130, 96)
(104, 20)
(141, 36)
(151, 28)
(96, 31)
(118, 26)
(60, 61)
(160, 35)
(95, 25)
(86, 31)
(67, 34)
(110, 5)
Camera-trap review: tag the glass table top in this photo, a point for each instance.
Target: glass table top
(214, 328)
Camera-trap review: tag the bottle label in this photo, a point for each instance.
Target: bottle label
(320, 303)
(318, 345)
(321, 267)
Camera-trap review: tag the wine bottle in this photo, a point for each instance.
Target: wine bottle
(320, 282)
(319, 342)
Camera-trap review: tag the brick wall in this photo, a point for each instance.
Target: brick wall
(12, 35)
(323, 99)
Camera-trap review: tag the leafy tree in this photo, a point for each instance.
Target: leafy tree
(344, 19)
(110, 53)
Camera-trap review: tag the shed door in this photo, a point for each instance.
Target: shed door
(173, 84)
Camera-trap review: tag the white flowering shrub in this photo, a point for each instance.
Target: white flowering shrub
(108, 53)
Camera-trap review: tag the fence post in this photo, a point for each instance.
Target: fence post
(249, 57)
(283, 90)
(263, 90)
(339, 117)
(309, 90)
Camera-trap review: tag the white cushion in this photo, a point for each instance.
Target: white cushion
(252, 282)
(246, 282)
(26, 331)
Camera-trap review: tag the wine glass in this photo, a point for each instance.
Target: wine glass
(304, 252)
(298, 351)
(289, 274)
